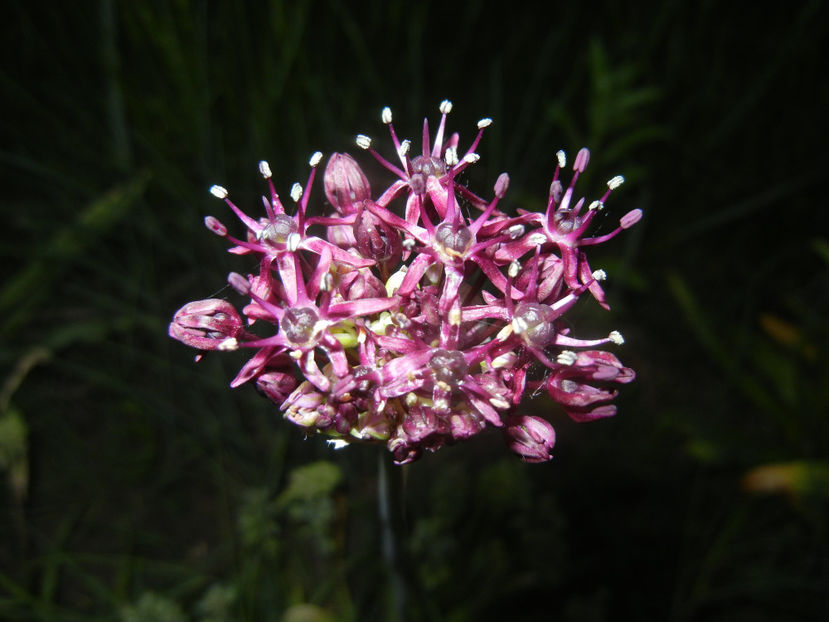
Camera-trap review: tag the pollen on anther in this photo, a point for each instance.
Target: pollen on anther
(471, 158)
(451, 156)
(615, 182)
(514, 269)
(386, 115)
(315, 158)
(566, 357)
(484, 123)
(600, 275)
(404, 148)
(561, 157)
(219, 192)
(515, 232)
(296, 192)
(292, 242)
(596, 205)
(363, 141)
(229, 344)
(265, 169)
(616, 337)
(445, 106)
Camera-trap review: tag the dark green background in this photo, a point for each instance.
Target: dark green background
(141, 488)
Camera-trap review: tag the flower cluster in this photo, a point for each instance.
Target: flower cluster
(420, 325)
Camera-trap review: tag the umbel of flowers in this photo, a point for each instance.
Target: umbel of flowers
(420, 315)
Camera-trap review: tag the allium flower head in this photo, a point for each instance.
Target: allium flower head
(403, 319)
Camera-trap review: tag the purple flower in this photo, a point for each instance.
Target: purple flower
(402, 319)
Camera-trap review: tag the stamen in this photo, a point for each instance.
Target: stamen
(514, 269)
(615, 182)
(515, 232)
(228, 345)
(484, 123)
(616, 337)
(600, 275)
(451, 156)
(471, 158)
(219, 192)
(215, 226)
(363, 141)
(631, 218)
(239, 283)
(265, 169)
(566, 357)
(501, 185)
(445, 106)
(315, 158)
(562, 158)
(385, 116)
(582, 158)
(292, 243)
(404, 148)
(596, 206)
(296, 192)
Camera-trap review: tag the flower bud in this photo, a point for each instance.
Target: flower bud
(205, 324)
(532, 438)
(276, 386)
(345, 183)
(376, 240)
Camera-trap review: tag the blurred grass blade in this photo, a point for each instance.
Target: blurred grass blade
(35, 282)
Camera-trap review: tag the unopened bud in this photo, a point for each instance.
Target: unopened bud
(631, 218)
(239, 283)
(501, 185)
(582, 158)
(215, 226)
(345, 183)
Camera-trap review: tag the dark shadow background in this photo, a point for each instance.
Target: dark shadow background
(139, 487)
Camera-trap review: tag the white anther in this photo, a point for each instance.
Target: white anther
(537, 238)
(337, 443)
(315, 158)
(219, 192)
(265, 169)
(519, 325)
(411, 399)
(408, 243)
(296, 192)
(505, 360)
(451, 156)
(596, 205)
(515, 232)
(600, 275)
(404, 148)
(229, 344)
(292, 242)
(295, 354)
(616, 337)
(484, 123)
(445, 106)
(562, 158)
(505, 332)
(499, 402)
(327, 282)
(615, 182)
(386, 115)
(566, 357)
(514, 269)
(471, 158)
(363, 141)
(454, 317)
(441, 404)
